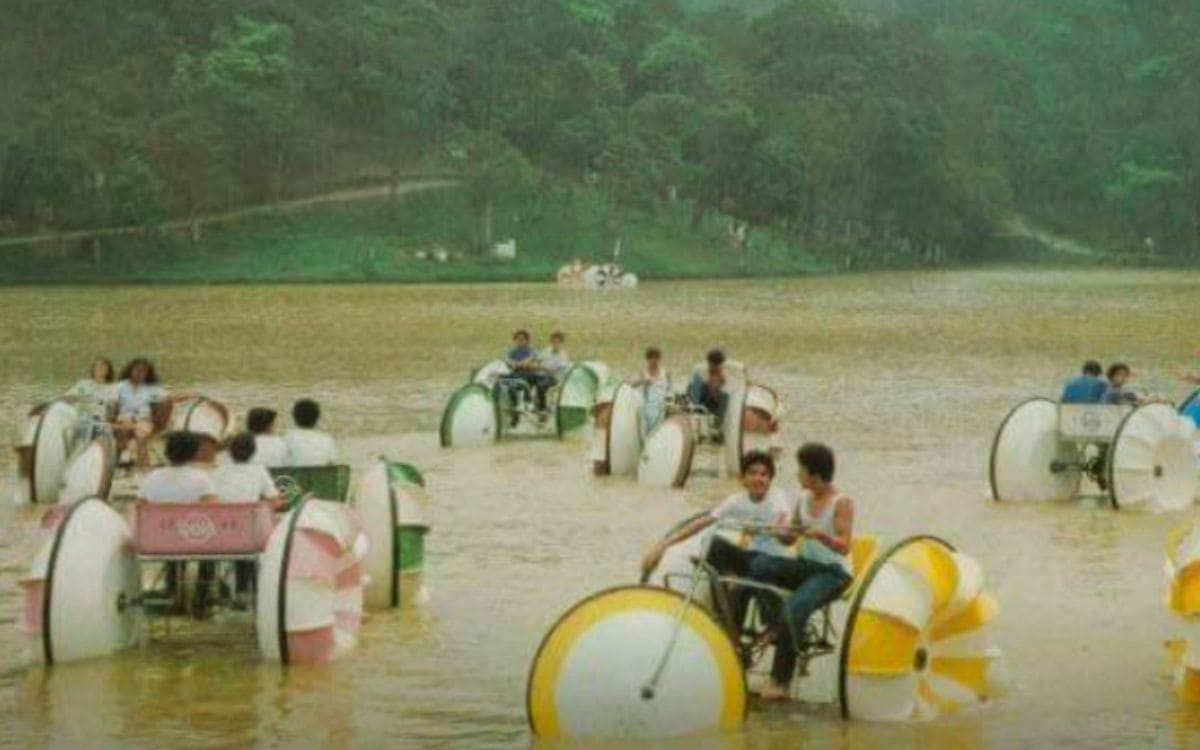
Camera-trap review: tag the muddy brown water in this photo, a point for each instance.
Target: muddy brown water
(907, 375)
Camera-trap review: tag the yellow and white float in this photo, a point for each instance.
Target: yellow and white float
(635, 663)
(1141, 457)
(917, 642)
(1182, 570)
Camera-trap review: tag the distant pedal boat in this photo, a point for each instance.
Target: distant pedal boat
(482, 411)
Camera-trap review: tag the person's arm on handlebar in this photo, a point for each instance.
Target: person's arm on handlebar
(650, 561)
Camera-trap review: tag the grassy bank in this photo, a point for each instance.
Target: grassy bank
(377, 239)
(382, 240)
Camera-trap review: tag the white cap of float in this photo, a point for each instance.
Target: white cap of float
(666, 459)
(623, 439)
(601, 672)
(470, 417)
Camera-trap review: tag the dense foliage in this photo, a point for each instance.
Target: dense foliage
(918, 128)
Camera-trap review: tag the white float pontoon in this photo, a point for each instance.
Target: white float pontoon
(666, 458)
(389, 499)
(90, 472)
(1139, 456)
(203, 416)
(622, 433)
(470, 418)
(64, 456)
(577, 394)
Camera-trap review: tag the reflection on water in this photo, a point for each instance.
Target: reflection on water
(907, 375)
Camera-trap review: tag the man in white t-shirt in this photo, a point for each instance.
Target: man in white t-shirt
(180, 482)
(243, 481)
(308, 446)
(270, 450)
(757, 509)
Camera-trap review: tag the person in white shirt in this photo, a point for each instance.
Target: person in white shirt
(308, 446)
(655, 384)
(554, 358)
(97, 392)
(138, 391)
(180, 482)
(270, 450)
(758, 509)
(244, 482)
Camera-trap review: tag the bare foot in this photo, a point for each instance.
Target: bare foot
(773, 691)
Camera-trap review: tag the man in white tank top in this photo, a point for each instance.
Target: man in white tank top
(825, 519)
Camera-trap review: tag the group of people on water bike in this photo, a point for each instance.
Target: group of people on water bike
(236, 472)
(134, 405)
(1094, 386)
(708, 388)
(535, 370)
(131, 404)
(816, 571)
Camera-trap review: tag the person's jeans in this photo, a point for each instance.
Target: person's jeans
(729, 558)
(715, 400)
(244, 572)
(540, 382)
(653, 410)
(815, 585)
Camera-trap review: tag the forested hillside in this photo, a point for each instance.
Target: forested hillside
(916, 128)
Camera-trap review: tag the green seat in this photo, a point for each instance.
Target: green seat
(324, 482)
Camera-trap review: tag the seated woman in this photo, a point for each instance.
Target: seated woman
(96, 394)
(821, 572)
(138, 392)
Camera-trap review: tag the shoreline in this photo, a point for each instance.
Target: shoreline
(541, 280)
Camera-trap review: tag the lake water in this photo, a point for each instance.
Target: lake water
(906, 375)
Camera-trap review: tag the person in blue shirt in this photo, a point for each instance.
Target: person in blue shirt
(707, 389)
(525, 367)
(1087, 388)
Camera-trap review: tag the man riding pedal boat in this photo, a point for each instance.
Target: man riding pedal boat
(758, 506)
